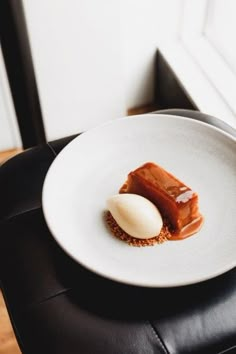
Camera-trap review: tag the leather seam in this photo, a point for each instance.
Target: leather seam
(12, 217)
(59, 293)
(228, 350)
(32, 209)
(160, 341)
(52, 150)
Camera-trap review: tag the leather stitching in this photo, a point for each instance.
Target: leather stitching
(158, 337)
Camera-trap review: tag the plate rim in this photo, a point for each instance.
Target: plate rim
(116, 278)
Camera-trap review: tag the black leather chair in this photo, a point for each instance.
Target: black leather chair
(58, 307)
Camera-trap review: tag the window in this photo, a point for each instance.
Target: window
(220, 29)
(204, 57)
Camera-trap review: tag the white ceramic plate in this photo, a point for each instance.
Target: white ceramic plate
(94, 166)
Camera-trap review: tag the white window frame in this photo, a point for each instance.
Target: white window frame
(202, 71)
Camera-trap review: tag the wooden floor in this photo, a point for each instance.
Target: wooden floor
(7, 154)
(147, 108)
(8, 344)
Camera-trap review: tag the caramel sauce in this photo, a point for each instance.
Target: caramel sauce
(176, 202)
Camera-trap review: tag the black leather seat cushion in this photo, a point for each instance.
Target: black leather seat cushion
(58, 307)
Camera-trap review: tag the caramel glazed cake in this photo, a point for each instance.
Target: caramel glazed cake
(177, 203)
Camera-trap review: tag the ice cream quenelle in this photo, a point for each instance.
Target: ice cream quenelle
(136, 215)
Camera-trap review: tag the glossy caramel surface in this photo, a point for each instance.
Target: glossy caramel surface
(176, 201)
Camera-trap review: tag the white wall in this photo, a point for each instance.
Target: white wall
(9, 132)
(145, 23)
(94, 59)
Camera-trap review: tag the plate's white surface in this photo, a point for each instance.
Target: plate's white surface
(94, 166)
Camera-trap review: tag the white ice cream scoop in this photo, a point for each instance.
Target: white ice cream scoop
(136, 215)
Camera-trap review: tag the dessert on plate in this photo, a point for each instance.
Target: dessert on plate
(176, 203)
